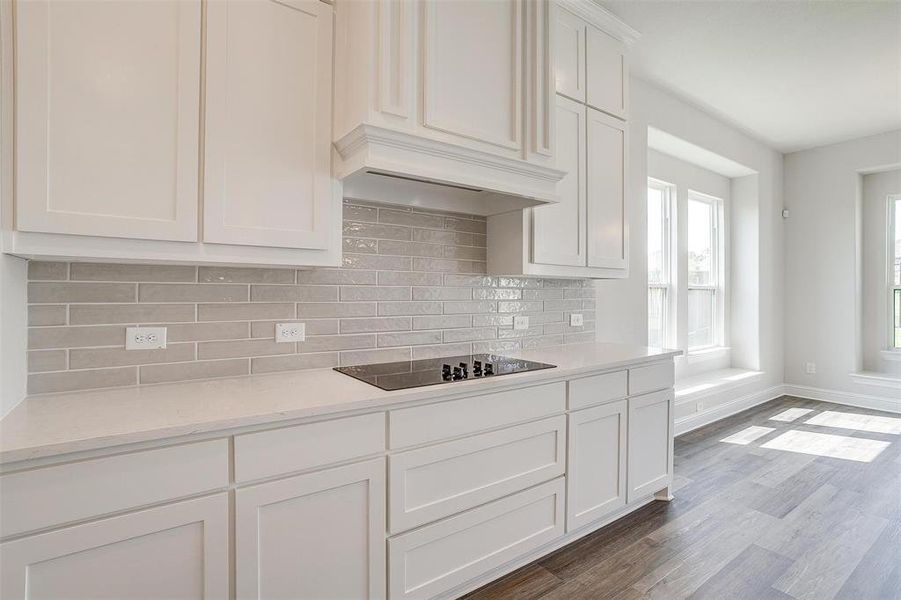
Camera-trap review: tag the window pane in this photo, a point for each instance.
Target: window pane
(897, 319)
(656, 255)
(700, 252)
(897, 229)
(700, 318)
(657, 317)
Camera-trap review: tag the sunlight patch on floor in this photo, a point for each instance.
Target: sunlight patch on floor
(824, 444)
(871, 423)
(791, 414)
(747, 435)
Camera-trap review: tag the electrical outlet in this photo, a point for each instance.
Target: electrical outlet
(290, 332)
(520, 322)
(810, 368)
(145, 338)
(699, 405)
(576, 320)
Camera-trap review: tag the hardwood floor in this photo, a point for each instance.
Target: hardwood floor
(778, 514)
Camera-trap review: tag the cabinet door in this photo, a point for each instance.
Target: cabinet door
(607, 75)
(558, 230)
(471, 70)
(596, 482)
(606, 191)
(174, 551)
(320, 535)
(108, 105)
(570, 55)
(267, 169)
(650, 443)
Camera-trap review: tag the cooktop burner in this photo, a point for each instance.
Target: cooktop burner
(434, 371)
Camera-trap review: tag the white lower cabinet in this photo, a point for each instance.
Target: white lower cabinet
(436, 558)
(175, 551)
(650, 443)
(596, 476)
(320, 535)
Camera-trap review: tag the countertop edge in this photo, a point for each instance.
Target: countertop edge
(365, 404)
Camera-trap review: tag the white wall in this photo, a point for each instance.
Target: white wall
(622, 304)
(823, 268)
(875, 306)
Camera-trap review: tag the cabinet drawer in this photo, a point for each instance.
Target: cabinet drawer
(278, 451)
(651, 378)
(80, 490)
(433, 422)
(433, 482)
(597, 389)
(438, 557)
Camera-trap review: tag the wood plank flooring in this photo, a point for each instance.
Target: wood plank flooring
(793, 520)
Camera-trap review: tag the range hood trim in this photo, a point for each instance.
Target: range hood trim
(374, 151)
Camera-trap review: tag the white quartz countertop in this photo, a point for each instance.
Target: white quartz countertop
(54, 424)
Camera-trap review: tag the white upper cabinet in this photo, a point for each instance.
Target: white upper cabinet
(267, 168)
(109, 137)
(570, 52)
(587, 233)
(558, 230)
(108, 105)
(608, 231)
(607, 80)
(457, 93)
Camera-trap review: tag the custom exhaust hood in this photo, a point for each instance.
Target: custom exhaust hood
(389, 166)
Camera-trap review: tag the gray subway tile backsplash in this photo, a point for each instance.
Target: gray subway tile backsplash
(413, 285)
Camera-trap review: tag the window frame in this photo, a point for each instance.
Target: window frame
(669, 195)
(717, 265)
(892, 288)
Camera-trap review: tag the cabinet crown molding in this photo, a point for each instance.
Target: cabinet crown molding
(600, 17)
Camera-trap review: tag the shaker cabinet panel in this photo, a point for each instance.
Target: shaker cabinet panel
(570, 55)
(607, 79)
(174, 551)
(558, 230)
(108, 105)
(472, 70)
(596, 478)
(650, 443)
(267, 168)
(606, 174)
(320, 535)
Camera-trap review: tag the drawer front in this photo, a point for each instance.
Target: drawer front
(434, 422)
(431, 483)
(651, 378)
(597, 389)
(60, 494)
(279, 451)
(439, 557)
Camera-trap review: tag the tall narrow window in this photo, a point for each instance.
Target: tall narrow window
(704, 276)
(660, 294)
(894, 276)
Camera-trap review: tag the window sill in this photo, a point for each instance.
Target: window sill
(703, 354)
(711, 382)
(877, 379)
(891, 355)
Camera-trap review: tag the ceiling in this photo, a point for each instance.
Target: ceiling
(795, 74)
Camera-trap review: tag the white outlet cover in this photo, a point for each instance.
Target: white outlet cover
(145, 338)
(520, 322)
(290, 332)
(576, 320)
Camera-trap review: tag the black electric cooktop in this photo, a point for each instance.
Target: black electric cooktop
(434, 371)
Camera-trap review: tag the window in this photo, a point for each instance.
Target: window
(660, 294)
(704, 280)
(894, 274)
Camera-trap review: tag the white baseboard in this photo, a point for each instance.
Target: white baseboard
(847, 398)
(721, 411)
